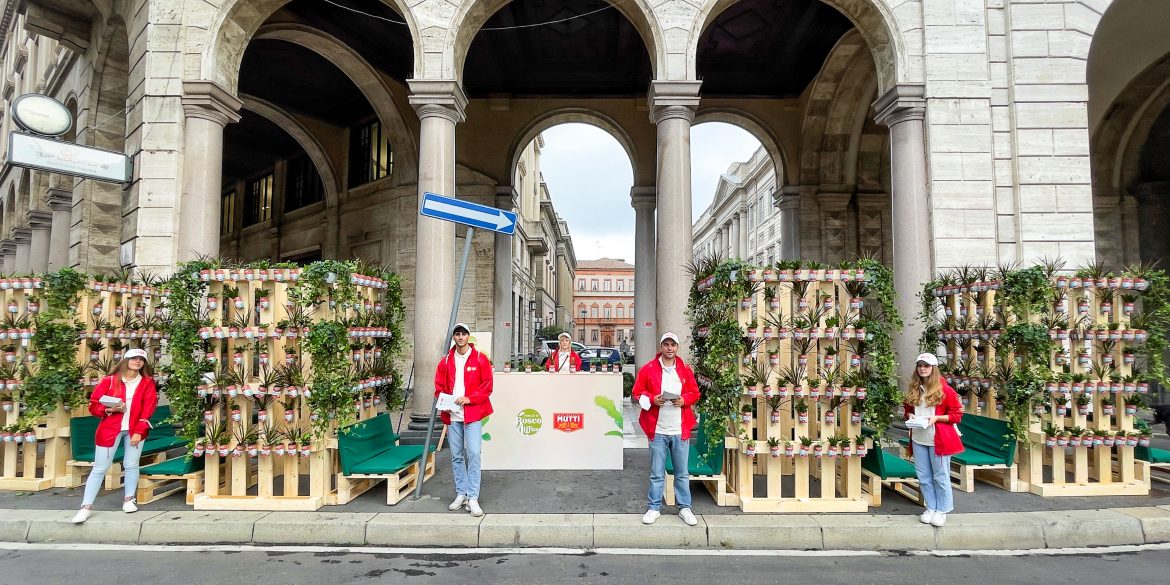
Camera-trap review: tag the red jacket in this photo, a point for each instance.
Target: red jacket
(141, 408)
(477, 384)
(946, 437)
(649, 384)
(552, 365)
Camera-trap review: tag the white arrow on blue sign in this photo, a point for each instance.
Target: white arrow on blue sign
(468, 213)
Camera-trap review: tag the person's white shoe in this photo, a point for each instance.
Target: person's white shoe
(473, 505)
(129, 506)
(460, 501)
(939, 519)
(926, 517)
(688, 517)
(650, 516)
(82, 515)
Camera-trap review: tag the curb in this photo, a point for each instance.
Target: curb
(978, 531)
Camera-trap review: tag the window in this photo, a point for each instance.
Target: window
(258, 200)
(580, 334)
(227, 221)
(608, 312)
(594, 312)
(621, 312)
(584, 313)
(594, 336)
(608, 284)
(580, 284)
(631, 284)
(621, 284)
(593, 283)
(370, 156)
(304, 184)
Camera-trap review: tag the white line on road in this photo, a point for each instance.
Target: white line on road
(63, 547)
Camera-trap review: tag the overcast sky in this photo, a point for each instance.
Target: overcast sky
(589, 178)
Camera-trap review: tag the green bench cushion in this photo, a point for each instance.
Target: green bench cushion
(391, 460)
(372, 444)
(703, 458)
(83, 428)
(987, 441)
(1152, 454)
(973, 457)
(175, 466)
(887, 465)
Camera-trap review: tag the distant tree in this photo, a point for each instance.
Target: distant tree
(550, 331)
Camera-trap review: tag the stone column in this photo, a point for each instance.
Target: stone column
(725, 241)
(734, 250)
(39, 222)
(61, 202)
(903, 109)
(440, 106)
(645, 319)
(502, 298)
(8, 256)
(23, 238)
(207, 108)
(788, 202)
(672, 108)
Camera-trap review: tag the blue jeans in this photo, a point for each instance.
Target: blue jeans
(934, 478)
(679, 449)
(466, 440)
(103, 458)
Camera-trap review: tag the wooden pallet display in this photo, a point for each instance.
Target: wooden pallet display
(23, 463)
(819, 354)
(1051, 467)
(970, 351)
(256, 344)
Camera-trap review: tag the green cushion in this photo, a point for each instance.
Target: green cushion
(82, 430)
(175, 466)
(887, 465)
(364, 440)
(1152, 454)
(391, 460)
(987, 441)
(703, 458)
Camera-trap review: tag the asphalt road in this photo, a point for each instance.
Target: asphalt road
(54, 567)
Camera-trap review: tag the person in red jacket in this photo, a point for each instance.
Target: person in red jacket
(564, 359)
(467, 375)
(129, 387)
(932, 410)
(665, 389)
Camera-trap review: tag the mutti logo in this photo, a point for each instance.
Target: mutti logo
(568, 422)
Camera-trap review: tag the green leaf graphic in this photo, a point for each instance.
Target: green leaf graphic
(613, 411)
(615, 434)
(487, 436)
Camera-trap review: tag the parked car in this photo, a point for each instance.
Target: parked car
(546, 348)
(610, 354)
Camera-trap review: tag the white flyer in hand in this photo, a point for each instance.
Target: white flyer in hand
(446, 403)
(110, 401)
(918, 422)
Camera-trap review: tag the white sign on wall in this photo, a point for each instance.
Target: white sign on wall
(26, 150)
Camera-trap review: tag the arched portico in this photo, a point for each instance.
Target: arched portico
(577, 116)
(305, 138)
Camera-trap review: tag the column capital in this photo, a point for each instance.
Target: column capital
(506, 197)
(21, 235)
(208, 101)
(39, 220)
(735, 219)
(904, 102)
(643, 198)
(7, 247)
(59, 199)
(442, 98)
(673, 99)
(788, 197)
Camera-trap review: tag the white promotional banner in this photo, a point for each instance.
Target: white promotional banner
(25, 150)
(554, 421)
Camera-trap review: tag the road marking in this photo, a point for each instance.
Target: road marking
(375, 550)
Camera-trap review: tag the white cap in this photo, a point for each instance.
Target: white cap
(929, 358)
(459, 326)
(566, 335)
(668, 335)
(136, 353)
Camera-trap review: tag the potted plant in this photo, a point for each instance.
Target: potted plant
(805, 444)
(774, 407)
(748, 444)
(774, 446)
(789, 449)
(801, 408)
(746, 414)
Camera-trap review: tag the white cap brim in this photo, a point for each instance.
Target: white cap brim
(139, 353)
(668, 335)
(929, 358)
(565, 335)
(462, 326)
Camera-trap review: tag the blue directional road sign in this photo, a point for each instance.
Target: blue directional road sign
(467, 213)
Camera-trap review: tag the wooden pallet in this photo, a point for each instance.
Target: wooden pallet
(905, 487)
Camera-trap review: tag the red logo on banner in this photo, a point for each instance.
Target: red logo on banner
(568, 422)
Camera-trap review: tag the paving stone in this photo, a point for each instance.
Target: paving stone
(14, 524)
(411, 529)
(989, 532)
(1155, 522)
(324, 528)
(103, 527)
(627, 531)
(779, 532)
(854, 532)
(1077, 528)
(538, 530)
(201, 527)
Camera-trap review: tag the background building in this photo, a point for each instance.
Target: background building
(604, 302)
(742, 220)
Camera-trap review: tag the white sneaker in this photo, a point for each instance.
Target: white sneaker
(473, 505)
(82, 515)
(688, 516)
(650, 516)
(939, 519)
(129, 506)
(460, 501)
(926, 517)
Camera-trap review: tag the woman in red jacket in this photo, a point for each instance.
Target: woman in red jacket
(130, 386)
(932, 410)
(564, 359)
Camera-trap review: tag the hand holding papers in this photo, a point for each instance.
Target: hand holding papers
(446, 403)
(110, 401)
(918, 422)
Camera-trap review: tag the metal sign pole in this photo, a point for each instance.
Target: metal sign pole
(443, 351)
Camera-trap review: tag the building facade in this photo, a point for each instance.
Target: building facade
(603, 302)
(949, 131)
(742, 220)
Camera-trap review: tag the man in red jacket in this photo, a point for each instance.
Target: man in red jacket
(665, 389)
(465, 374)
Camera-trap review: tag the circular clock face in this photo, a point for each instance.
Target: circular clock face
(41, 114)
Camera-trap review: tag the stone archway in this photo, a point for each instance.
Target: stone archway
(578, 116)
(775, 149)
(304, 137)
